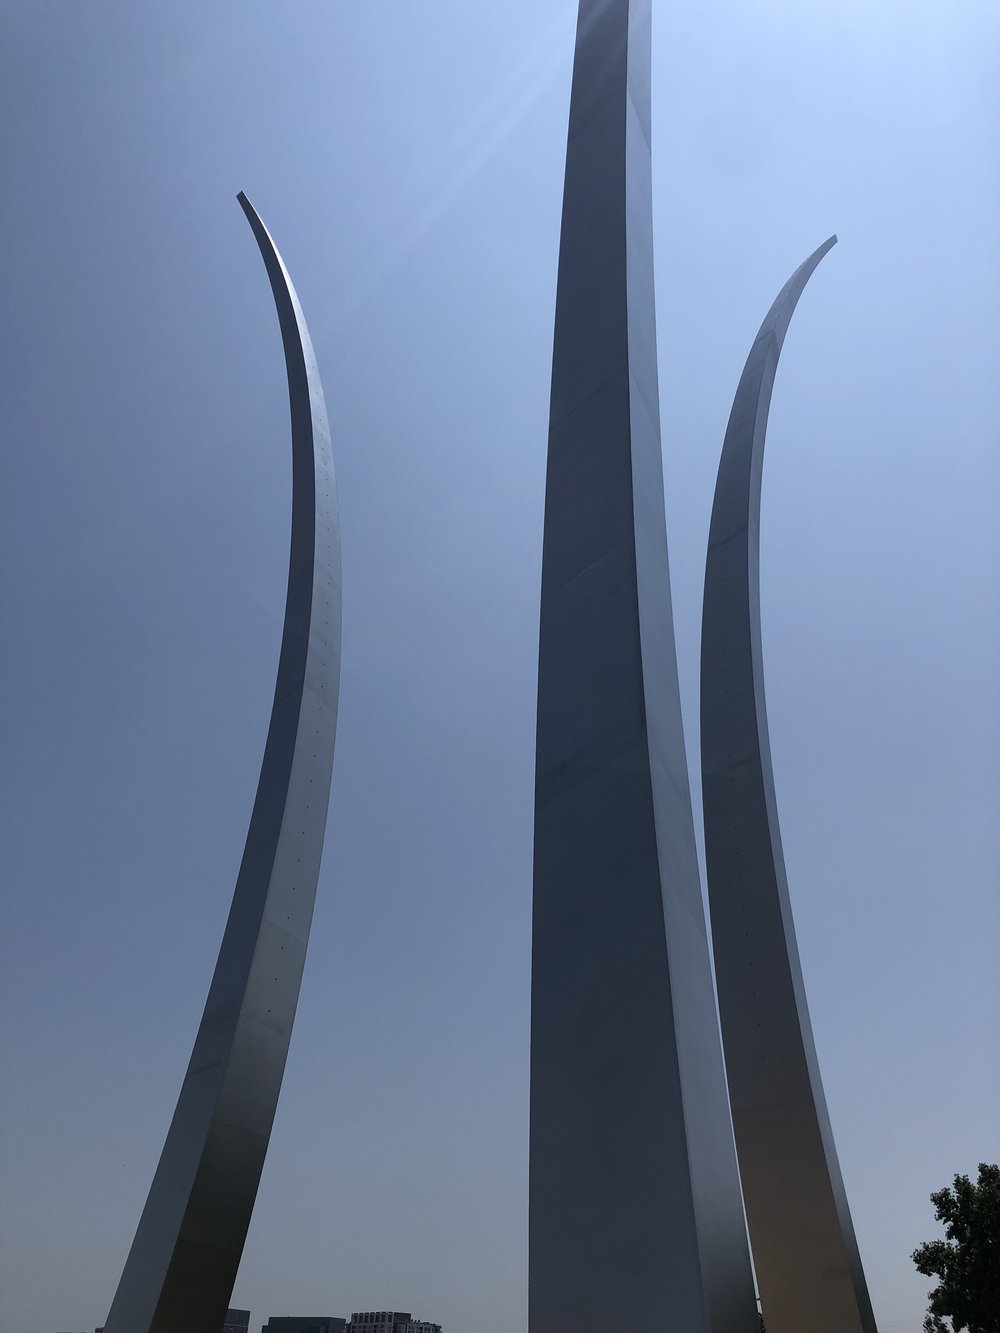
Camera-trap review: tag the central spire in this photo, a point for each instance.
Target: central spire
(635, 1215)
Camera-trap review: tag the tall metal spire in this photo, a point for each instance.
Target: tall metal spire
(805, 1253)
(635, 1217)
(180, 1271)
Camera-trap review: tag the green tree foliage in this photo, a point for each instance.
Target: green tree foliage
(967, 1262)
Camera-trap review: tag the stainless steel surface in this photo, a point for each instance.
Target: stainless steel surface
(635, 1217)
(182, 1265)
(806, 1257)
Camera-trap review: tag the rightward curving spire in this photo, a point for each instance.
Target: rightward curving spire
(805, 1253)
(635, 1219)
(180, 1271)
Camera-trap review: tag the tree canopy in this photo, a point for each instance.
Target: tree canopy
(967, 1262)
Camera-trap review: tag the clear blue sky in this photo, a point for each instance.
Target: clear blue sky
(408, 160)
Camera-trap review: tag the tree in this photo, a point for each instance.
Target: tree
(967, 1262)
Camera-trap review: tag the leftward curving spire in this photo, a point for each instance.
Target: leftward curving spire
(180, 1271)
(805, 1253)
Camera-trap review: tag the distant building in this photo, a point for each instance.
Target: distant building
(237, 1321)
(304, 1324)
(389, 1321)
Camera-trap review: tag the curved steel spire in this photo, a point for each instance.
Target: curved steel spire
(805, 1253)
(180, 1271)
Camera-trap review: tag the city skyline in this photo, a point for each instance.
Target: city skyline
(422, 235)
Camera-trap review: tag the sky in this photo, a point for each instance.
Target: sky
(408, 162)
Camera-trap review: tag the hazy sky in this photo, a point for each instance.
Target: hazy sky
(408, 161)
